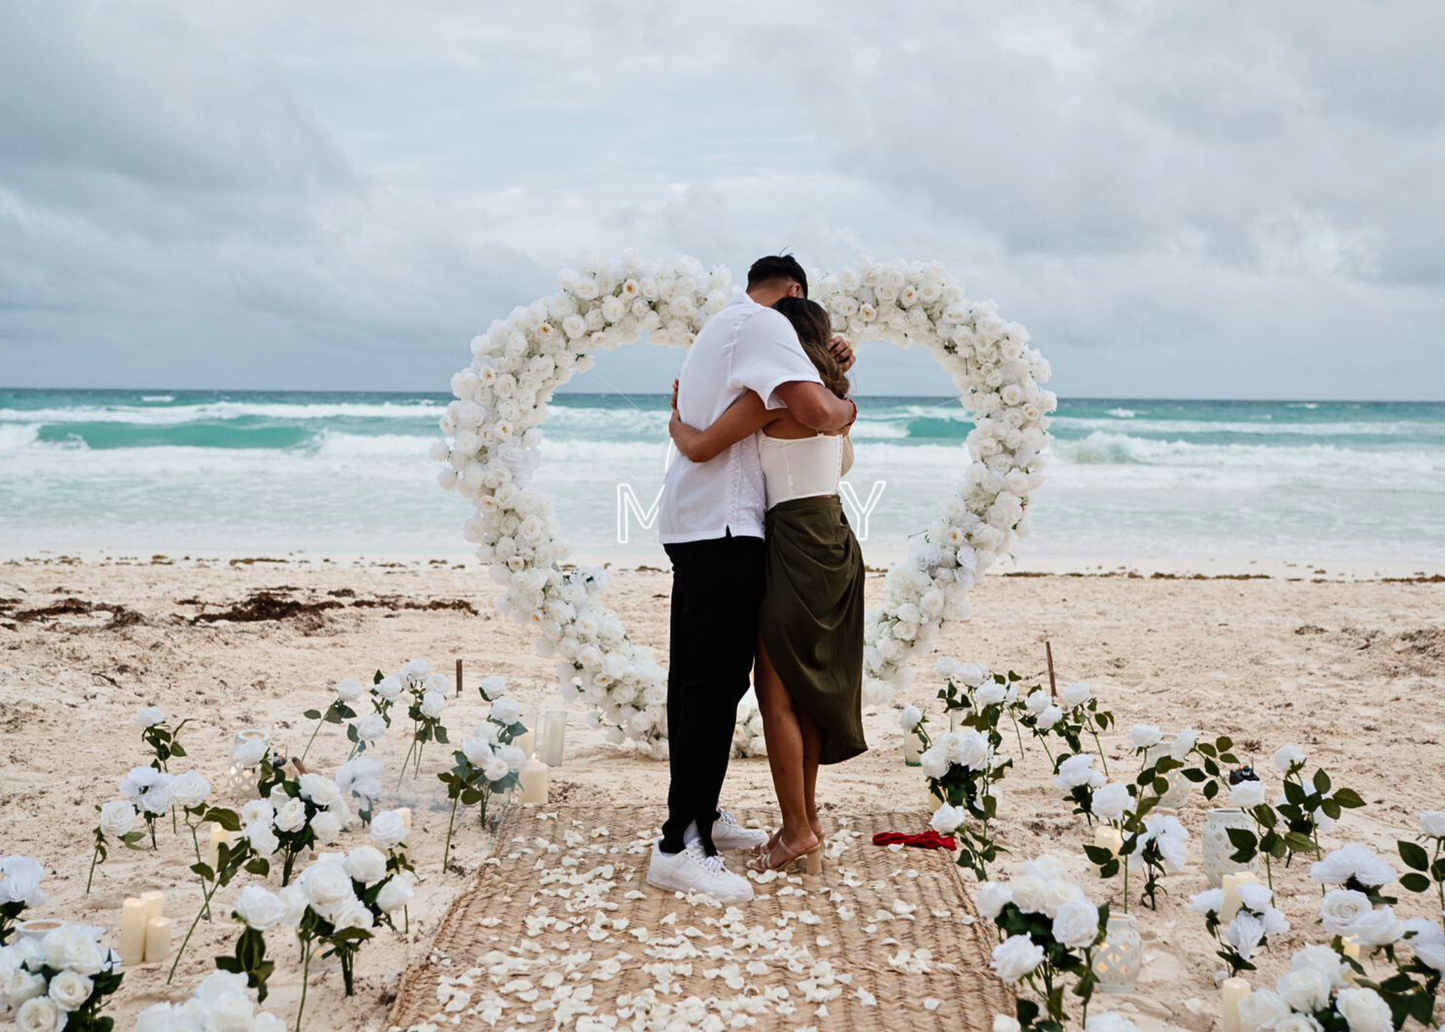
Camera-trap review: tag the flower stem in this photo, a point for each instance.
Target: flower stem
(446, 852)
(91, 876)
(205, 905)
(1099, 745)
(312, 739)
(402, 776)
(305, 973)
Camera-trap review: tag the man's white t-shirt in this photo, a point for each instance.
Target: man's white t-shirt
(745, 347)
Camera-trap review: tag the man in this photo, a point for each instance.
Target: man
(711, 524)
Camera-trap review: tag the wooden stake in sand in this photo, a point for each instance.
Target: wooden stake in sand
(459, 679)
(1053, 684)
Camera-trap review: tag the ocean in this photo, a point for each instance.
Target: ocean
(1210, 486)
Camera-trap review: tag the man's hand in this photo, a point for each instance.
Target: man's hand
(675, 384)
(841, 350)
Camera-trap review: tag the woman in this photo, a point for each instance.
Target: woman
(809, 672)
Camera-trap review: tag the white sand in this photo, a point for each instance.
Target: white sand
(1351, 671)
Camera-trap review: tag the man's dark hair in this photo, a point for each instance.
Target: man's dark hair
(775, 267)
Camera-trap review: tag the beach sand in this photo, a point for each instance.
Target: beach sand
(1353, 672)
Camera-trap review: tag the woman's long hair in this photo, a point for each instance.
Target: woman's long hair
(815, 330)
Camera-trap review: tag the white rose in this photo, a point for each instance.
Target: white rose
(395, 894)
(1247, 794)
(1078, 693)
(1037, 702)
(1050, 716)
(1261, 1009)
(496, 769)
(1076, 924)
(934, 761)
(117, 819)
(507, 711)
(388, 689)
(494, 686)
(349, 690)
(320, 790)
(291, 816)
(74, 947)
(946, 819)
(257, 811)
(991, 898)
(293, 897)
(327, 826)
(1016, 957)
(229, 1012)
(1364, 1010)
(39, 1014)
(366, 864)
(260, 908)
(352, 913)
(990, 694)
(1324, 960)
(1354, 861)
(1145, 735)
(909, 718)
(262, 838)
(432, 705)
(189, 789)
(149, 716)
(1111, 801)
(371, 727)
(1029, 893)
(388, 829)
(1304, 989)
(1432, 824)
(70, 990)
(249, 751)
(1379, 927)
(1288, 757)
(327, 885)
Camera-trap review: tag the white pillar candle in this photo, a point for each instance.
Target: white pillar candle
(132, 932)
(527, 742)
(213, 850)
(1235, 990)
(534, 782)
(912, 748)
(405, 812)
(550, 737)
(1109, 838)
(1232, 882)
(155, 901)
(158, 939)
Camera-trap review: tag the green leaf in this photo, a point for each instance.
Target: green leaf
(176, 749)
(204, 870)
(311, 714)
(1241, 838)
(1414, 855)
(1414, 882)
(1348, 798)
(1322, 782)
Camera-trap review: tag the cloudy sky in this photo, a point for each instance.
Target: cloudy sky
(1178, 200)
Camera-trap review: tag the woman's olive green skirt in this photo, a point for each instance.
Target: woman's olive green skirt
(812, 618)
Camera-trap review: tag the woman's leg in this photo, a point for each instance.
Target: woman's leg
(812, 750)
(784, 735)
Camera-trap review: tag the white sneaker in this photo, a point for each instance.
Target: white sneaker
(693, 871)
(729, 834)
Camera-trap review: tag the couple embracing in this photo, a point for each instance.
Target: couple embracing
(767, 577)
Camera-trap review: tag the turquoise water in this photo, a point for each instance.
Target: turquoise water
(1135, 482)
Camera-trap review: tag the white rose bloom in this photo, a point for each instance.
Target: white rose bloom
(117, 819)
(20, 986)
(1050, 716)
(1078, 693)
(1016, 957)
(327, 885)
(352, 913)
(189, 789)
(262, 838)
(396, 893)
(1111, 801)
(1364, 1010)
(1208, 901)
(291, 815)
(327, 826)
(74, 947)
(1247, 794)
(946, 819)
(416, 669)
(366, 864)
(1379, 927)
(1304, 989)
(320, 790)
(1324, 960)
(1076, 924)
(496, 769)
(70, 990)
(991, 898)
(1029, 892)
(909, 718)
(40, 1014)
(371, 727)
(295, 900)
(1432, 824)
(388, 829)
(1287, 757)
(1037, 702)
(1075, 771)
(1261, 1009)
(990, 694)
(149, 716)
(432, 705)
(1142, 736)
(495, 686)
(258, 811)
(349, 690)
(934, 762)
(1354, 861)
(1245, 933)
(260, 908)
(388, 689)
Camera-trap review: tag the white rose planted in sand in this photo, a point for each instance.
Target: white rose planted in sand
(493, 430)
(260, 908)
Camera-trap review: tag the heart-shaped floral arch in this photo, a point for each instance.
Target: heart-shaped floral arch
(494, 427)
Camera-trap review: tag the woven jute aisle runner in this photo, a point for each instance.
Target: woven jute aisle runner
(560, 929)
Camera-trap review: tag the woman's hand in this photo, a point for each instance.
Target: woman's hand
(841, 350)
(675, 384)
